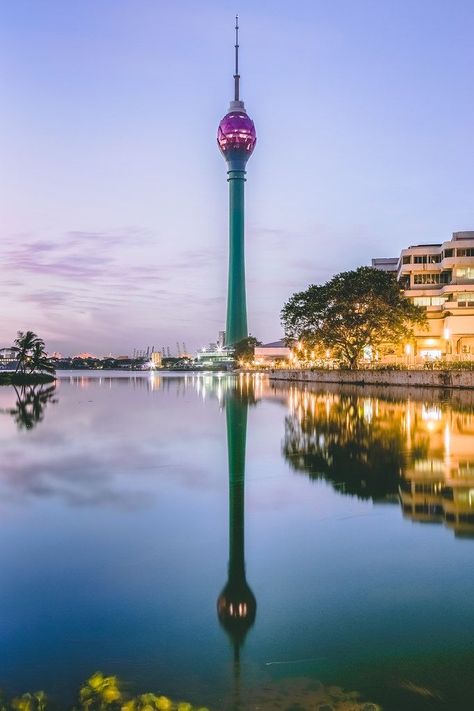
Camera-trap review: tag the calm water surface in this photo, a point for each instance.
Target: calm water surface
(123, 506)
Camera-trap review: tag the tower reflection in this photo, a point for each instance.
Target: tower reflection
(236, 605)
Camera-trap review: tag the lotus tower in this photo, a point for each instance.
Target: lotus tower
(236, 138)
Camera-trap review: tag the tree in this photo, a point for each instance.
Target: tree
(39, 360)
(355, 310)
(244, 349)
(31, 353)
(23, 346)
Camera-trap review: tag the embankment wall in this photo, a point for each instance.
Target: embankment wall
(403, 378)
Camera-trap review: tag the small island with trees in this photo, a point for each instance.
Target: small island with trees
(33, 366)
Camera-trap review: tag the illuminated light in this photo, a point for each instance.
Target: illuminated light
(431, 414)
(407, 349)
(446, 333)
(430, 342)
(447, 440)
(368, 352)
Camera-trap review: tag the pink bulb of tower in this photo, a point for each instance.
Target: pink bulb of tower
(236, 132)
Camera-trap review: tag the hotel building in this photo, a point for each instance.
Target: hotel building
(439, 277)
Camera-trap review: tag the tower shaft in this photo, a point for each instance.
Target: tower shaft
(236, 417)
(236, 324)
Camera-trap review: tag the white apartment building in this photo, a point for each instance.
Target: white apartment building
(440, 277)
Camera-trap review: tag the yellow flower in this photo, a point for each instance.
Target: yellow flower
(96, 681)
(128, 705)
(110, 694)
(184, 706)
(163, 703)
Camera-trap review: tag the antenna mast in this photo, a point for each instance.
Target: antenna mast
(236, 75)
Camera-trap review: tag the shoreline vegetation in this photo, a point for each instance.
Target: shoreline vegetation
(11, 378)
(33, 365)
(107, 693)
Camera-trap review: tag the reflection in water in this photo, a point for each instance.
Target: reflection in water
(31, 401)
(374, 448)
(236, 605)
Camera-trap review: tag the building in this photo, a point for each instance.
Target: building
(236, 138)
(156, 359)
(8, 359)
(440, 277)
(385, 264)
(215, 355)
(272, 353)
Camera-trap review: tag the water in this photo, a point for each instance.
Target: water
(356, 569)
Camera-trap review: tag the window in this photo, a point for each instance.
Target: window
(406, 259)
(468, 252)
(465, 299)
(465, 272)
(432, 278)
(429, 300)
(448, 253)
(427, 258)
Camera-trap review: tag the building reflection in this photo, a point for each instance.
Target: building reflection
(236, 605)
(421, 453)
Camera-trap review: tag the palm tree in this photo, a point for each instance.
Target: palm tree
(39, 359)
(24, 342)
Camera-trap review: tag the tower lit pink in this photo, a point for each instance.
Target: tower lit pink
(236, 132)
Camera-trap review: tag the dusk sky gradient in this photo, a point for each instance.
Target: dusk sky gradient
(113, 194)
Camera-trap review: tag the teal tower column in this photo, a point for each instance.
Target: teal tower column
(236, 138)
(236, 605)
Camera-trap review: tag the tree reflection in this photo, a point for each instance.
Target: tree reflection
(31, 402)
(356, 443)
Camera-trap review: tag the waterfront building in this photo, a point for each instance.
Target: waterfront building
(440, 277)
(385, 264)
(272, 353)
(236, 138)
(156, 359)
(8, 359)
(215, 355)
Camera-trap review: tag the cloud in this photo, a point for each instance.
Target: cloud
(46, 298)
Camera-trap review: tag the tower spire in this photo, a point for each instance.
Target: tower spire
(236, 75)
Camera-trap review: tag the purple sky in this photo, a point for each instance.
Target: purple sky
(113, 194)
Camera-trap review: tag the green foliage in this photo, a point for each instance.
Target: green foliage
(101, 693)
(7, 378)
(31, 354)
(244, 349)
(352, 311)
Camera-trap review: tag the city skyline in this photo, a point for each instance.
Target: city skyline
(107, 237)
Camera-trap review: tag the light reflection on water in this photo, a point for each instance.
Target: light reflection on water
(122, 505)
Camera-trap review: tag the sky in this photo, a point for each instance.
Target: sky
(113, 194)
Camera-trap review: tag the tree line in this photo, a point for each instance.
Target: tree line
(353, 312)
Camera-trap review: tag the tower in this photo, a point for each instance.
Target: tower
(236, 138)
